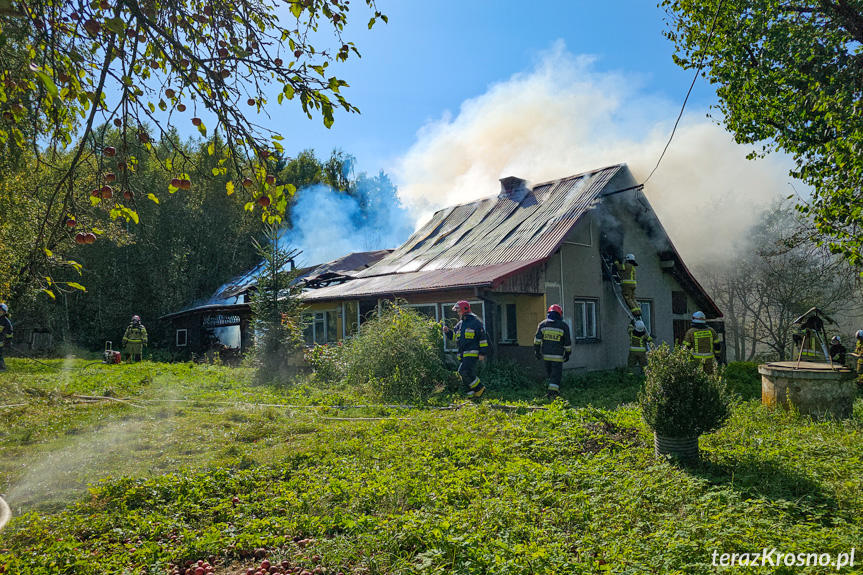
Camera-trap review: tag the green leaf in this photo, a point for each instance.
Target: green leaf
(45, 79)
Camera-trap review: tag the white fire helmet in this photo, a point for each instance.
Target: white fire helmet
(639, 326)
(630, 258)
(4, 308)
(699, 317)
(835, 339)
(860, 334)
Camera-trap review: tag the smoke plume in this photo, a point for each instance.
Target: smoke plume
(563, 118)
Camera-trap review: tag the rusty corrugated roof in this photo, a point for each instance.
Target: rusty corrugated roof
(526, 224)
(419, 281)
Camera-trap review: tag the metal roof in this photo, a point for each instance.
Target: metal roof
(420, 281)
(516, 226)
(346, 266)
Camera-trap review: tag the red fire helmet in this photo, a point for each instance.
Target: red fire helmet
(556, 308)
(462, 306)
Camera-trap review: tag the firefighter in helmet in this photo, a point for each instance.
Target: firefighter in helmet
(638, 340)
(858, 352)
(553, 345)
(135, 339)
(837, 350)
(5, 334)
(472, 347)
(702, 341)
(626, 272)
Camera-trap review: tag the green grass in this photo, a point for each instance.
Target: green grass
(574, 488)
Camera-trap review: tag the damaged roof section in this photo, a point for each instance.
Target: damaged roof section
(519, 224)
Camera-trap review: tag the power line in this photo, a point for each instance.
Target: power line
(692, 85)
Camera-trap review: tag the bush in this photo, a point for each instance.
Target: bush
(396, 356)
(505, 374)
(326, 361)
(679, 399)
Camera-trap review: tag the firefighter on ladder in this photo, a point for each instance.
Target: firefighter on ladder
(5, 334)
(702, 341)
(553, 344)
(472, 347)
(858, 353)
(135, 339)
(626, 273)
(638, 340)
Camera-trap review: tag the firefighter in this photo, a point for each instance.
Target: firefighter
(5, 334)
(858, 353)
(553, 345)
(638, 340)
(135, 339)
(837, 350)
(702, 342)
(472, 347)
(807, 341)
(626, 273)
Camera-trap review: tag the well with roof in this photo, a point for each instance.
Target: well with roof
(819, 390)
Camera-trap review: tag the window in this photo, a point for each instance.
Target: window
(678, 302)
(451, 318)
(680, 326)
(507, 321)
(320, 327)
(647, 314)
(182, 337)
(428, 310)
(584, 319)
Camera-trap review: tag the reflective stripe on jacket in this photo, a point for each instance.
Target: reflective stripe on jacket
(626, 272)
(638, 342)
(702, 341)
(472, 341)
(552, 339)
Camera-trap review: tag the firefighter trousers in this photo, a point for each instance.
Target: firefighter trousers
(554, 372)
(637, 359)
(2, 361)
(628, 292)
(467, 370)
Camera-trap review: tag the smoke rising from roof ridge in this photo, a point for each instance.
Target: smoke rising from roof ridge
(564, 118)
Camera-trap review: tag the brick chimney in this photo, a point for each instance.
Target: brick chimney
(512, 184)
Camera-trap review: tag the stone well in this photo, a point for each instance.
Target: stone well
(816, 389)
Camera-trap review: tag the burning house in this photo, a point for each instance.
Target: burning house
(514, 254)
(223, 321)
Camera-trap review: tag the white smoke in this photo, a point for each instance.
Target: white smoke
(326, 224)
(563, 118)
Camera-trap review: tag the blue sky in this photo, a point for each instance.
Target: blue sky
(432, 56)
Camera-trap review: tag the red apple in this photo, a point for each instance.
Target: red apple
(92, 27)
(196, 121)
(277, 62)
(104, 5)
(181, 107)
(143, 138)
(184, 63)
(109, 151)
(70, 222)
(264, 201)
(107, 192)
(110, 177)
(185, 184)
(96, 193)
(208, 10)
(248, 182)
(170, 92)
(128, 194)
(271, 179)
(226, 74)
(89, 238)
(175, 182)
(265, 154)
(80, 238)
(298, 53)
(118, 122)
(251, 102)
(223, 52)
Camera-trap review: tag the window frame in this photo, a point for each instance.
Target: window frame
(650, 323)
(185, 337)
(576, 301)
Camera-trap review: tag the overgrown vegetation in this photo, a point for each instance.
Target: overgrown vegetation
(473, 490)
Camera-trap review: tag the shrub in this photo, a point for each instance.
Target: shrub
(679, 399)
(505, 374)
(398, 355)
(326, 360)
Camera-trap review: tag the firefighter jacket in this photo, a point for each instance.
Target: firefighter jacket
(626, 272)
(838, 352)
(135, 338)
(702, 341)
(471, 338)
(638, 340)
(5, 331)
(552, 340)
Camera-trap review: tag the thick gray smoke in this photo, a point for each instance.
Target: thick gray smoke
(563, 118)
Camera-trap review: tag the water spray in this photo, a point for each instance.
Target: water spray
(5, 513)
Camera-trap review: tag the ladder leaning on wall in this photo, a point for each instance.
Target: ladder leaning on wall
(618, 293)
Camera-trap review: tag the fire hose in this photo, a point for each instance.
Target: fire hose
(5, 513)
